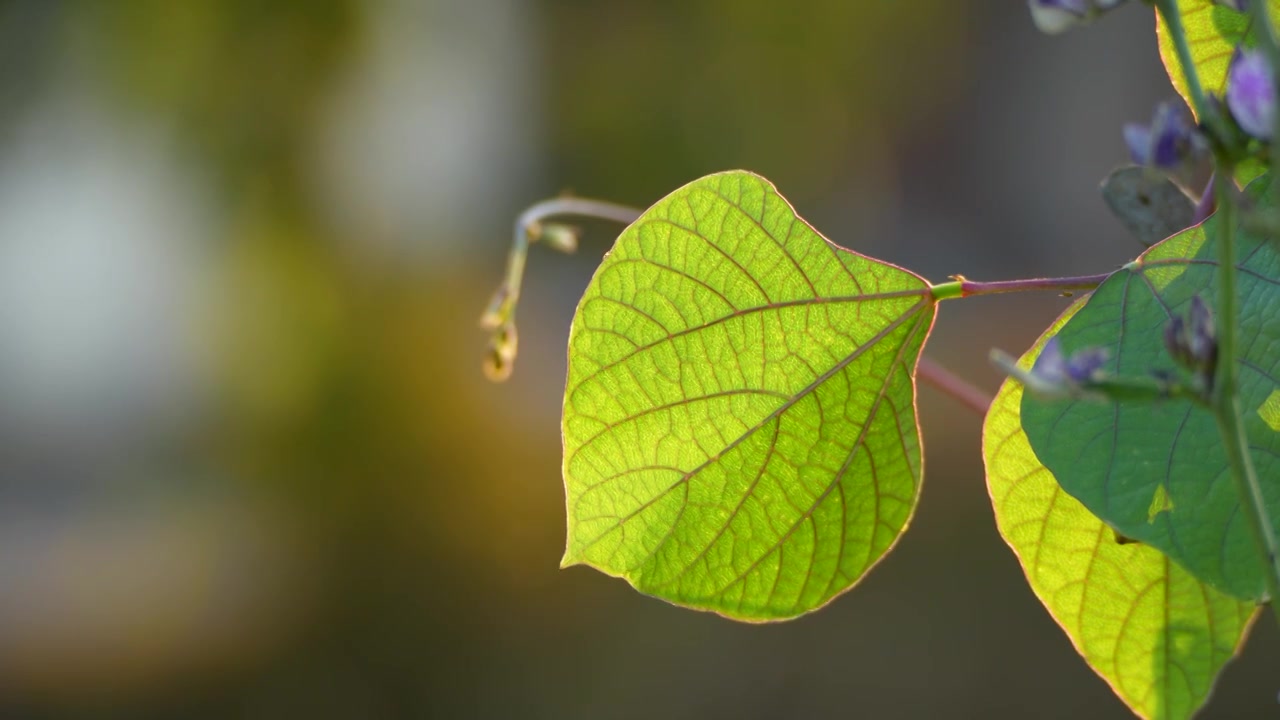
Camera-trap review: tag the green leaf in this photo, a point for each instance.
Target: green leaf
(1154, 633)
(1213, 32)
(739, 419)
(1115, 457)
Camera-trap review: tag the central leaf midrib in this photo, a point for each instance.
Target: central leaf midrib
(611, 426)
(920, 292)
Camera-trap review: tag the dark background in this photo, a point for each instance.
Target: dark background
(249, 466)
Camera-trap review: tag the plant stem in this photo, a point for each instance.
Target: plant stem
(500, 316)
(1226, 404)
(962, 287)
(1226, 401)
(969, 395)
(529, 221)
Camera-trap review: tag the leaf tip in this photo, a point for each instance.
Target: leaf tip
(570, 559)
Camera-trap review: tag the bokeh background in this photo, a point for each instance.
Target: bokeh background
(249, 465)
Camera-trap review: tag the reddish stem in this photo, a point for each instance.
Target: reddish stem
(969, 395)
(1083, 282)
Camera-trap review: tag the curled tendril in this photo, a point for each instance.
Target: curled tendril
(531, 227)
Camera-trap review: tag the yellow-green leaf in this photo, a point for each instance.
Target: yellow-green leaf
(739, 418)
(1213, 32)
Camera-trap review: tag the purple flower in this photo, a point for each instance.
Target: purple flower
(1251, 93)
(1203, 337)
(1059, 374)
(1175, 340)
(1193, 341)
(1170, 140)
(1055, 16)
(1237, 5)
(1055, 368)
(1055, 375)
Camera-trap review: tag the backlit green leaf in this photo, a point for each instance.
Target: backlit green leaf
(1116, 457)
(1149, 628)
(739, 419)
(1213, 32)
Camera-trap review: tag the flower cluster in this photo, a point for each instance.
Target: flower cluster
(1173, 140)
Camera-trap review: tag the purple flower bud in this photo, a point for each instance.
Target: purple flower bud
(1051, 366)
(1237, 5)
(1085, 365)
(1055, 375)
(1202, 338)
(1175, 340)
(1056, 369)
(1251, 93)
(1193, 342)
(1138, 138)
(1055, 16)
(1168, 142)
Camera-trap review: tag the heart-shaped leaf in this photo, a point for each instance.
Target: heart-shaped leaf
(739, 418)
(1157, 635)
(1157, 472)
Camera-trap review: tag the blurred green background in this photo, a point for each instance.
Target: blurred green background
(249, 466)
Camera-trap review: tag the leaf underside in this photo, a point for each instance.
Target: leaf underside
(1152, 631)
(1117, 458)
(739, 418)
